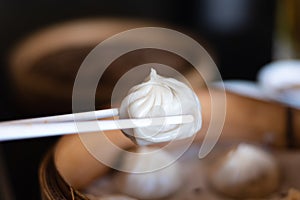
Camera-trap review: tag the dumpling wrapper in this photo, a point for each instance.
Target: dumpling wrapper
(158, 97)
(245, 172)
(147, 179)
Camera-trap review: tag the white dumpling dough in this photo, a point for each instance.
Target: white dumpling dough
(245, 172)
(153, 183)
(157, 97)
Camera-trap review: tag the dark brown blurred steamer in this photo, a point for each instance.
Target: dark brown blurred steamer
(44, 66)
(254, 120)
(53, 185)
(247, 119)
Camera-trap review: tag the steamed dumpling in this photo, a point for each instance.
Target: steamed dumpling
(157, 97)
(153, 183)
(245, 172)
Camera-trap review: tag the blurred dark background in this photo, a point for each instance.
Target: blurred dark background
(239, 32)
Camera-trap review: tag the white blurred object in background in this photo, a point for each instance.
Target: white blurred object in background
(280, 81)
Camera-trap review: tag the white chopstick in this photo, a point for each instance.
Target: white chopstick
(83, 116)
(11, 131)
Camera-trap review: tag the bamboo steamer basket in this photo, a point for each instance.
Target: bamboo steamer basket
(43, 66)
(69, 167)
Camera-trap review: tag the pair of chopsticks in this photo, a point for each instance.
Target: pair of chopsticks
(85, 121)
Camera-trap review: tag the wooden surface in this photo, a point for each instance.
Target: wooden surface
(296, 126)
